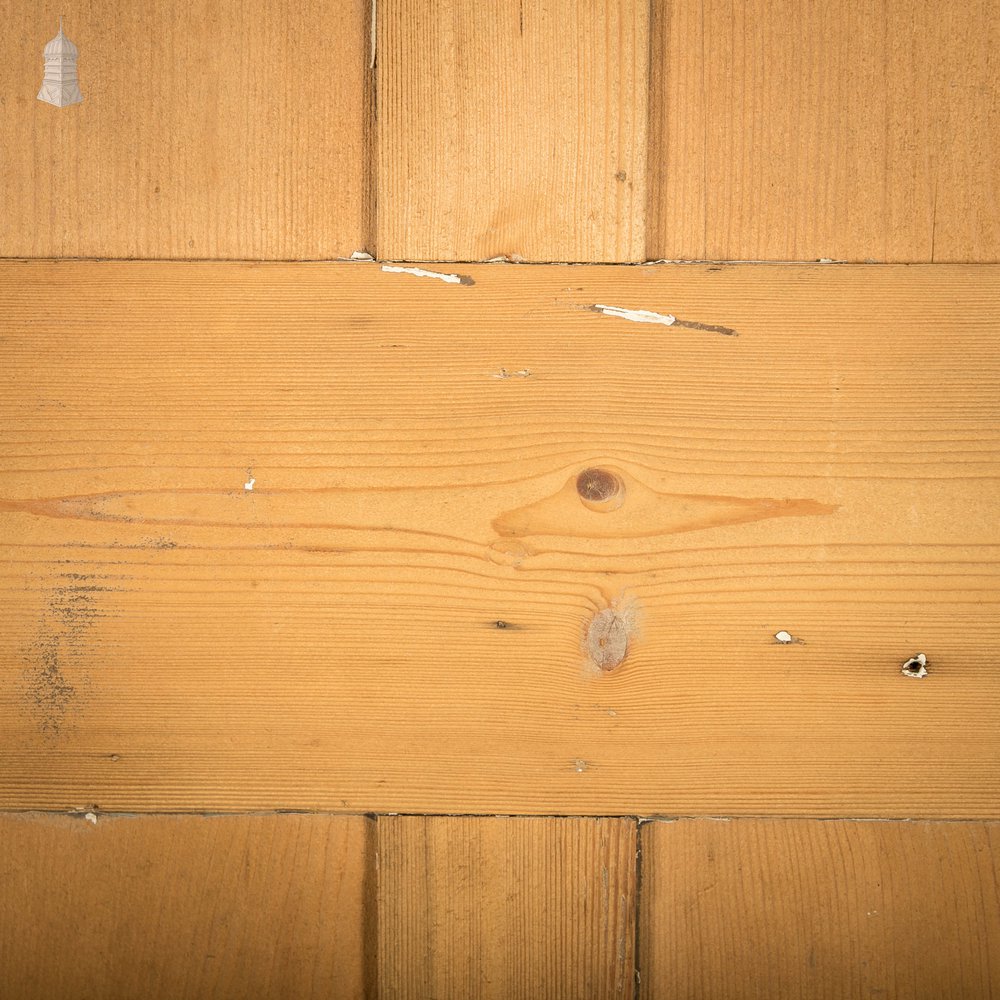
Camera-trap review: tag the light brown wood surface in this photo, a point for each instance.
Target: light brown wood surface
(615, 132)
(512, 128)
(207, 129)
(330, 638)
(744, 909)
(506, 908)
(793, 130)
(139, 908)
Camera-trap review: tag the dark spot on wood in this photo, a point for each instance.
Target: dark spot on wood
(48, 688)
(621, 176)
(158, 543)
(708, 327)
(916, 666)
(597, 485)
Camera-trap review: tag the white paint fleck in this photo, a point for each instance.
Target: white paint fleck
(503, 373)
(871, 913)
(785, 638)
(580, 766)
(514, 258)
(248, 485)
(636, 315)
(91, 818)
(361, 255)
(452, 279)
(915, 666)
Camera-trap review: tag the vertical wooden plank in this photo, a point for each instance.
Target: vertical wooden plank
(512, 128)
(820, 909)
(182, 906)
(506, 907)
(864, 130)
(208, 129)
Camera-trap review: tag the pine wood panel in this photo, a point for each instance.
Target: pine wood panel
(506, 908)
(208, 128)
(861, 130)
(411, 608)
(512, 128)
(182, 906)
(833, 910)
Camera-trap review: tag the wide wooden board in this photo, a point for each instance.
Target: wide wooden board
(754, 909)
(795, 130)
(506, 908)
(515, 129)
(141, 908)
(208, 128)
(405, 610)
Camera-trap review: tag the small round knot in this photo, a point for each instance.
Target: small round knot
(600, 489)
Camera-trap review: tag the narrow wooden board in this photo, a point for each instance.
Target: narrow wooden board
(820, 910)
(506, 908)
(860, 130)
(405, 612)
(514, 129)
(208, 128)
(139, 908)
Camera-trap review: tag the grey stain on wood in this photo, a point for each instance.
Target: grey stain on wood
(607, 639)
(70, 613)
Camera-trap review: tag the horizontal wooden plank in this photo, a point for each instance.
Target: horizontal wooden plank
(321, 536)
(506, 908)
(515, 129)
(820, 910)
(182, 906)
(208, 128)
(793, 130)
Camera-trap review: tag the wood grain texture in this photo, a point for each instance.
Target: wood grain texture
(506, 908)
(208, 128)
(140, 908)
(396, 617)
(512, 128)
(791, 130)
(820, 910)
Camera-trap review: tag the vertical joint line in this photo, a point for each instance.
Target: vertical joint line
(638, 908)
(371, 152)
(651, 209)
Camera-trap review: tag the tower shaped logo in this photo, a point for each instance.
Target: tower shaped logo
(60, 86)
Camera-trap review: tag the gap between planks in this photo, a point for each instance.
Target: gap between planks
(639, 820)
